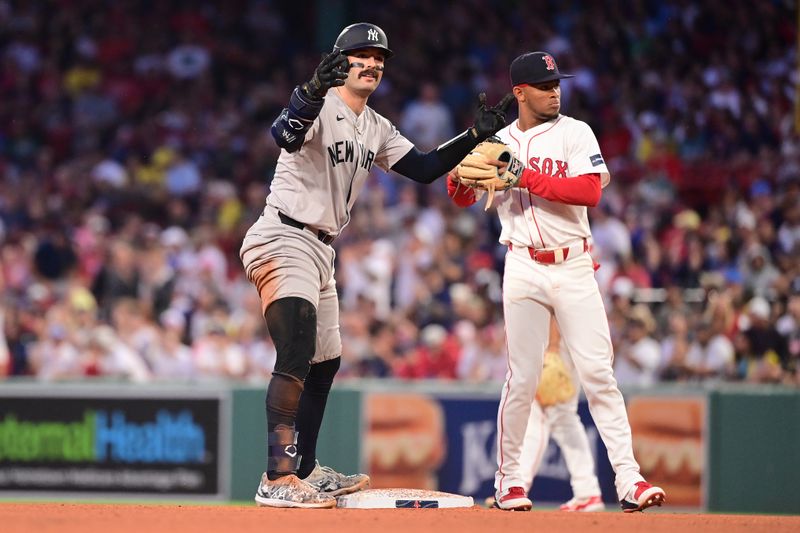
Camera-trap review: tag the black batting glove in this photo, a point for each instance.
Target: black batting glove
(489, 120)
(331, 72)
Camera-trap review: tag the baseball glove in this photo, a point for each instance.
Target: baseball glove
(555, 385)
(490, 166)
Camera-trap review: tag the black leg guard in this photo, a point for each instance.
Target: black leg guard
(311, 410)
(292, 324)
(283, 398)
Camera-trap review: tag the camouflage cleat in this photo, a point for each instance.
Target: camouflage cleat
(291, 491)
(328, 481)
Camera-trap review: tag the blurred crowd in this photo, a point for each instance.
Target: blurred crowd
(134, 154)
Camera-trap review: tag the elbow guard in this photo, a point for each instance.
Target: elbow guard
(289, 129)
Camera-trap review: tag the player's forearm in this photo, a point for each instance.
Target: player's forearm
(462, 195)
(289, 129)
(427, 167)
(579, 190)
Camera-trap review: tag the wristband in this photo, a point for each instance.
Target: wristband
(302, 107)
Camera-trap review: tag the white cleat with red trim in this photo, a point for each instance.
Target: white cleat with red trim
(514, 499)
(642, 496)
(584, 505)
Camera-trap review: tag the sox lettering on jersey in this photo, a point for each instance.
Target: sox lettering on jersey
(344, 152)
(551, 167)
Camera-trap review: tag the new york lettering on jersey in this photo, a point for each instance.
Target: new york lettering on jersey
(344, 152)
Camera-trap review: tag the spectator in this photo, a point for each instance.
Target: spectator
(436, 357)
(638, 356)
(119, 278)
(106, 355)
(711, 355)
(674, 349)
(762, 349)
(216, 355)
(378, 362)
(54, 355)
(171, 359)
(789, 328)
(483, 352)
(759, 271)
(426, 121)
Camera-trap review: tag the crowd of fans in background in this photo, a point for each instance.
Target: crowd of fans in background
(134, 153)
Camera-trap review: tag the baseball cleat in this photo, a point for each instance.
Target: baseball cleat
(642, 496)
(291, 491)
(328, 481)
(584, 505)
(514, 499)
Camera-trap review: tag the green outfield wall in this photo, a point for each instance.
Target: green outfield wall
(754, 450)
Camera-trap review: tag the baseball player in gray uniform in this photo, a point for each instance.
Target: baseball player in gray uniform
(330, 140)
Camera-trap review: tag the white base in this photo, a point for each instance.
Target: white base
(403, 499)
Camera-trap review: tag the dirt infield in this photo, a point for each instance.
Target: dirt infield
(123, 518)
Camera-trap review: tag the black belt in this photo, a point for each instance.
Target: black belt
(326, 238)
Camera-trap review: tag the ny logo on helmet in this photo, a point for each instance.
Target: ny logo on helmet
(372, 35)
(549, 62)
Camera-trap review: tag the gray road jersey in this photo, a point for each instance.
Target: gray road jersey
(319, 183)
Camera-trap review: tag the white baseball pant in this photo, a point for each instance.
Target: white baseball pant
(531, 293)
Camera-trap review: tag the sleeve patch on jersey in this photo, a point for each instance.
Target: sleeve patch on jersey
(597, 160)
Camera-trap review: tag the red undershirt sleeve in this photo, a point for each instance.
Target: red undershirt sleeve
(579, 190)
(462, 196)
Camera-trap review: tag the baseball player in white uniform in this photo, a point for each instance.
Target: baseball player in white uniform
(330, 140)
(549, 272)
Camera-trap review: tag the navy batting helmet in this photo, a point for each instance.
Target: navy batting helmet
(362, 35)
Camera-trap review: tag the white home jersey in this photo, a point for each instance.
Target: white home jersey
(563, 148)
(319, 186)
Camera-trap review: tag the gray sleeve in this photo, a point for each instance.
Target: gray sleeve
(394, 147)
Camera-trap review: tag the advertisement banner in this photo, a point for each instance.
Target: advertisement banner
(471, 461)
(404, 440)
(446, 443)
(110, 445)
(669, 443)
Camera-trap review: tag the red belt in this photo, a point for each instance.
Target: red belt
(555, 256)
